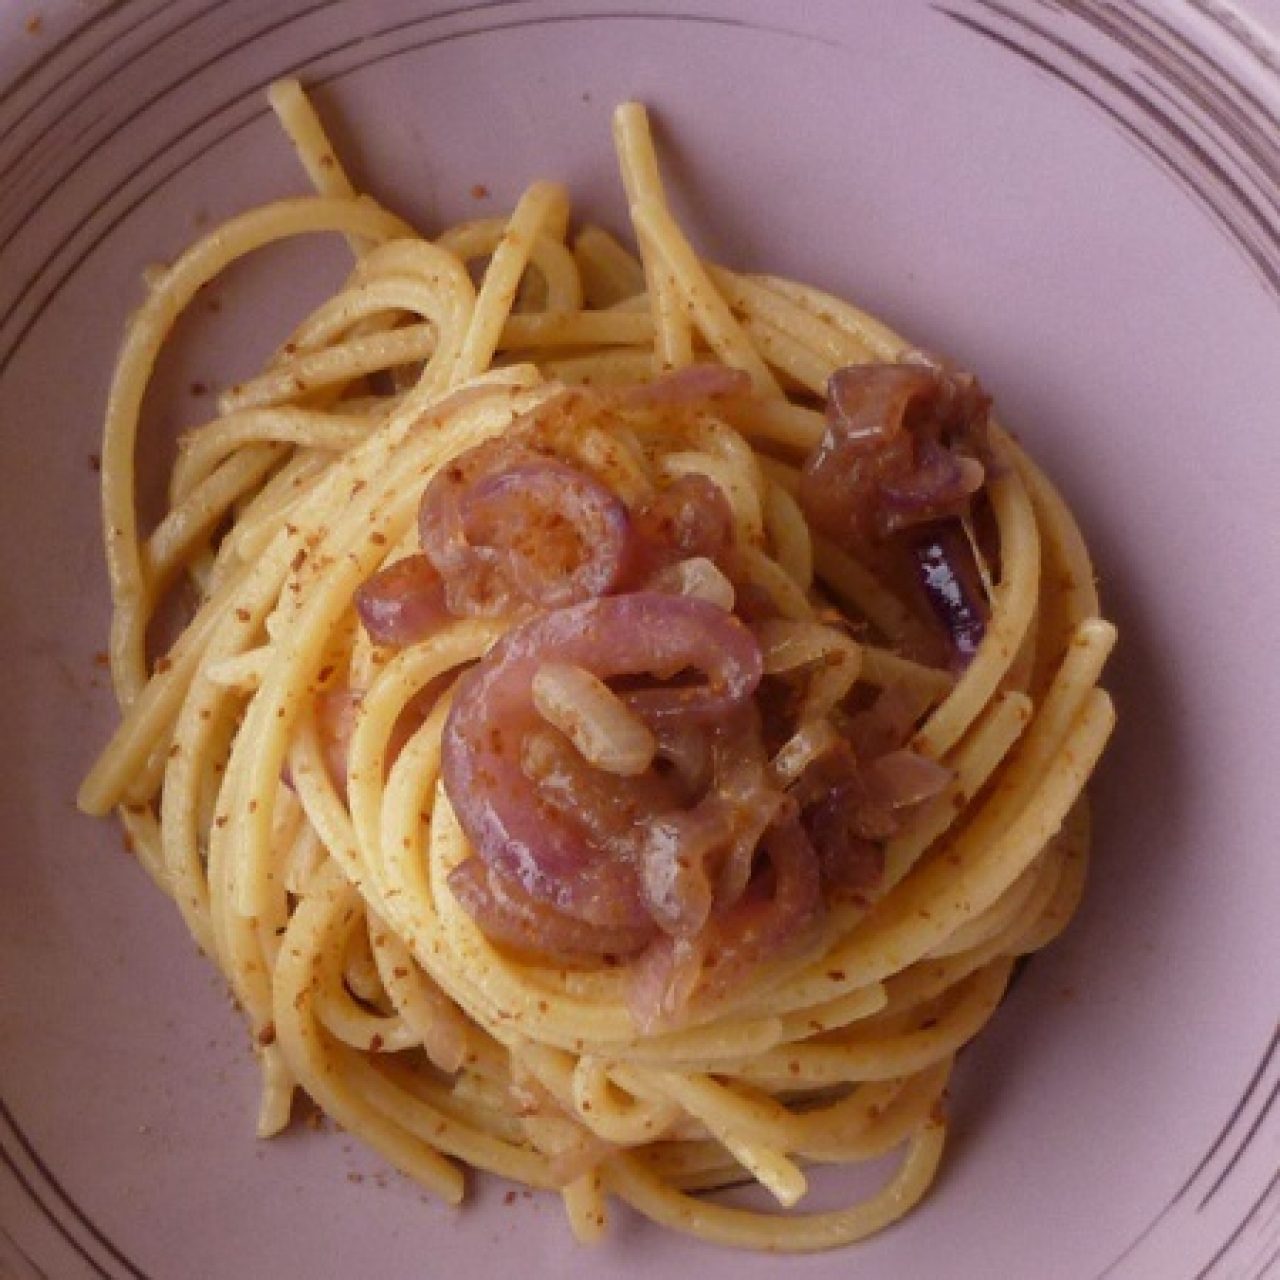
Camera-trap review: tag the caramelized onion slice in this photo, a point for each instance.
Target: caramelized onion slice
(952, 585)
(687, 386)
(403, 602)
(545, 851)
(504, 524)
(901, 447)
(510, 916)
(593, 718)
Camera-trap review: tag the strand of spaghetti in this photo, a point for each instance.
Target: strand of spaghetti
(638, 166)
(548, 256)
(301, 1040)
(268, 512)
(336, 1009)
(1073, 841)
(660, 236)
(1024, 899)
(714, 1106)
(800, 366)
(613, 368)
(944, 892)
(539, 205)
(575, 329)
(741, 1228)
(441, 1027)
(858, 588)
(585, 1205)
(610, 274)
(299, 120)
(148, 722)
(831, 345)
(142, 342)
(598, 1103)
(384, 702)
(301, 374)
(789, 535)
(872, 334)
(187, 526)
(781, 424)
(202, 449)
(142, 838)
(853, 1058)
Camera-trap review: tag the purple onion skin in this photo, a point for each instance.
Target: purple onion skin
(510, 916)
(402, 603)
(508, 824)
(762, 926)
(548, 492)
(489, 521)
(949, 580)
(886, 459)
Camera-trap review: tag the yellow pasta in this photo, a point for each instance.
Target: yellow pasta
(327, 899)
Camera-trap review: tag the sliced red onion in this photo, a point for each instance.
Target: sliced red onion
(510, 916)
(504, 524)
(689, 385)
(402, 603)
(563, 533)
(698, 577)
(509, 825)
(952, 587)
(661, 982)
(885, 725)
(690, 518)
(611, 810)
(903, 778)
(889, 456)
(941, 484)
(763, 924)
(849, 861)
(772, 919)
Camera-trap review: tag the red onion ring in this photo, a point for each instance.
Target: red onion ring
(687, 386)
(403, 602)
(507, 823)
(888, 457)
(764, 924)
(504, 524)
(510, 916)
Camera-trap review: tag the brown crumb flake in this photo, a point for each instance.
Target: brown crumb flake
(479, 192)
(34, 25)
(199, 388)
(101, 658)
(95, 462)
(267, 1035)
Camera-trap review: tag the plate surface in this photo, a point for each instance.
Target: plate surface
(1079, 199)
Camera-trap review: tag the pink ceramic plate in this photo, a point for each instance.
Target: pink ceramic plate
(1079, 198)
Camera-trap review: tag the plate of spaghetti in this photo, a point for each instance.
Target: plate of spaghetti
(580, 552)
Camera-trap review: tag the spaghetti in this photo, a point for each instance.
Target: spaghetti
(634, 717)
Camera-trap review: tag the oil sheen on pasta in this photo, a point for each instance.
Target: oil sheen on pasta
(633, 717)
